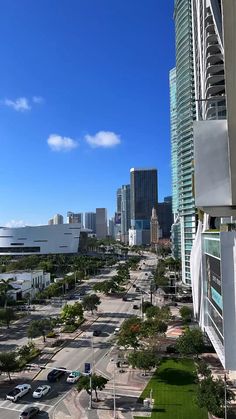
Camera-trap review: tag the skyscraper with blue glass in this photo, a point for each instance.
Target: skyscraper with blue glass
(182, 133)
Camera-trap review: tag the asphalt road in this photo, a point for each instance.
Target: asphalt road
(95, 350)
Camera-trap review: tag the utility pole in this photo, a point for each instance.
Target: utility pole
(225, 388)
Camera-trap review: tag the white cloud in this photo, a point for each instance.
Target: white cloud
(105, 139)
(58, 143)
(21, 104)
(15, 223)
(38, 99)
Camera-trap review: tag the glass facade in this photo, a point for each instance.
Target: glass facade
(213, 287)
(183, 129)
(143, 196)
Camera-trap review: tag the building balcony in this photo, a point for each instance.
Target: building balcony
(214, 185)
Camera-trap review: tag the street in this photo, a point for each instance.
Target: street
(85, 348)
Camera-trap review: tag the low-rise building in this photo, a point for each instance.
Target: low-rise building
(25, 284)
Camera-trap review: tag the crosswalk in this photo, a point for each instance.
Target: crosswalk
(19, 407)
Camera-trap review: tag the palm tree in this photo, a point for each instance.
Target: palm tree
(4, 287)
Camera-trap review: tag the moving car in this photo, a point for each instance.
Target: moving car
(56, 374)
(41, 391)
(97, 332)
(29, 412)
(18, 392)
(73, 377)
(116, 331)
(135, 307)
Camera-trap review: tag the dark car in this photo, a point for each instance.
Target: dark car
(97, 332)
(135, 307)
(55, 374)
(29, 412)
(137, 289)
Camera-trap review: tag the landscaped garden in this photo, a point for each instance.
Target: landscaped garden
(174, 390)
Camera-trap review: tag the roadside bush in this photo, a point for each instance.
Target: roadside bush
(70, 328)
(51, 335)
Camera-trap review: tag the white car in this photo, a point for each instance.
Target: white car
(18, 392)
(73, 377)
(41, 391)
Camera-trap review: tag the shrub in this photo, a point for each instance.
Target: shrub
(51, 335)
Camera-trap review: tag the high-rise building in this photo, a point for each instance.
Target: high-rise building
(183, 137)
(154, 228)
(143, 197)
(213, 256)
(101, 223)
(58, 219)
(125, 213)
(90, 221)
(73, 218)
(118, 200)
(165, 217)
(175, 228)
(111, 226)
(50, 221)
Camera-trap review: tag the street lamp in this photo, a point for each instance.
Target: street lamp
(114, 388)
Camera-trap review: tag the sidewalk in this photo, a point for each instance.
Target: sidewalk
(128, 388)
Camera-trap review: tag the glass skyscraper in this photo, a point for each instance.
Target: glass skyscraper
(185, 114)
(175, 229)
(143, 197)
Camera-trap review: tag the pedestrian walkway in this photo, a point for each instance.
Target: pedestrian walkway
(19, 407)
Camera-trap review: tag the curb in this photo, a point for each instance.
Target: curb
(62, 347)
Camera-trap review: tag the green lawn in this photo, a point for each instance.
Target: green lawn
(174, 388)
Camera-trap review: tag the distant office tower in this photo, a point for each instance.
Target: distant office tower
(117, 226)
(111, 225)
(90, 221)
(50, 222)
(154, 228)
(118, 200)
(143, 197)
(101, 223)
(165, 216)
(58, 219)
(125, 213)
(185, 114)
(73, 218)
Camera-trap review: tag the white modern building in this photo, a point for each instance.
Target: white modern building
(135, 237)
(44, 239)
(213, 256)
(25, 284)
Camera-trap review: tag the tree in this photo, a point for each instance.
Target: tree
(39, 328)
(211, 395)
(8, 362)
(191, 342)
(203, 369)
(98, 383)
(144, 360)
(71, 311)
(153, 327)
(107, 287)
(130, 332)
(7, 315)
(186, 313)
(4, 287)
(91, 302)
(146, 305)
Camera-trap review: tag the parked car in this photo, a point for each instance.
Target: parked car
(18, 392)
(135, 307)
(73, 377)
(41, 391)
(56, 374)
(29, 412)
(116, 331)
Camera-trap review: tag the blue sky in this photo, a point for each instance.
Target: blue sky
(84, 97)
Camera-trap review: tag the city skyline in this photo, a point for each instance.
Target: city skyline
(66, 143)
